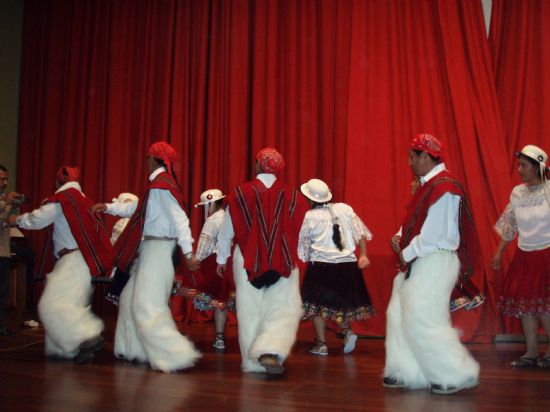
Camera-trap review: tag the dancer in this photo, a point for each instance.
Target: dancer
(82, 248)
(436, 243)
(209, 291)
(333, 286)
(145, 330)
(526, 290)
(264, 216)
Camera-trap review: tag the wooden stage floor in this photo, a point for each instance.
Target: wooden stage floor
(29, 382)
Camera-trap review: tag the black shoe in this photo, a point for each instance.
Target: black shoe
(8, 333)
(271, 364)
(392, 383)
(87, 349)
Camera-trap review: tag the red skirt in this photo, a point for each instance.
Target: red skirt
(526, 289)
(207, 290)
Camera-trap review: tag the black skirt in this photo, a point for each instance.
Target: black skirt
(336, 291)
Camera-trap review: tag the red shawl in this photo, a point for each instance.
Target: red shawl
(127, 244)
(267, 224)
(88, 230)
(417, 210)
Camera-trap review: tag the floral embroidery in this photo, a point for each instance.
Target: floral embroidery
(203, 302)
(338, 315)
(524, 307)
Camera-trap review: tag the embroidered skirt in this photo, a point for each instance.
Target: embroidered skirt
(207, 290)
(336, 291)
(526, 289)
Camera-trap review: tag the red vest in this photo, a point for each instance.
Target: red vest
(91, 236)
(267, 224)
(127, 244)
(417, 210)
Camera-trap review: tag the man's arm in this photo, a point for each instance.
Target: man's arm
(125, 209)
(39, 218)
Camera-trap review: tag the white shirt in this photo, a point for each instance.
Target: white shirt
(440, 230)
(528, 214)
(315, 243)
(209, 235)
(52, 213)
(226, 231)
(164, 216)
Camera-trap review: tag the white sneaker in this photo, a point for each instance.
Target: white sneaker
(349, 342)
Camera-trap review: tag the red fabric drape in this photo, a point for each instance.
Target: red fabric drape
(338, 86)
(520, 46)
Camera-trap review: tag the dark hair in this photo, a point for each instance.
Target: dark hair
(336, 235)
(435, 159)
(161, 163)
(2, 168)
(533, 162)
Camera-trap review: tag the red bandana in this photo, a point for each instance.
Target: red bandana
(165, 152)
(270, 160)
(428, 143)
(67, 174)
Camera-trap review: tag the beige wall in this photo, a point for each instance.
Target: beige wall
(11, 23)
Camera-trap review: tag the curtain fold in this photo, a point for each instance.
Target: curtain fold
(338, 86)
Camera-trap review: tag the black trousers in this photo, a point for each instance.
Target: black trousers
(4, 286)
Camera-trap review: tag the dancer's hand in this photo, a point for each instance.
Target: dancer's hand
(363, 262)
(220, 269)
(99, 208)
(401, 258)
(394, 243)
(497, 261)
(193, 263)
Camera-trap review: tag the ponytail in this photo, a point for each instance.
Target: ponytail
(336, 234)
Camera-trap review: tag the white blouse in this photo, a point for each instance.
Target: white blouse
(315, 243)
(209, 235)
(527, 214)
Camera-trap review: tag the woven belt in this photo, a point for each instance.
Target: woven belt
(65, 251)
(158, 238)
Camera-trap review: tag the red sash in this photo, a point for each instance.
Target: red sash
(127, 244)
(417, 210)
(267, 223)
(91, 236)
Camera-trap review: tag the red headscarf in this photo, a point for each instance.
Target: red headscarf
(67, 174)
(270, 160)
(429, 144)
(163, 151)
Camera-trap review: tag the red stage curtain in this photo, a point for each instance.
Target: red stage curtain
(338, 86)
(520, 45)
